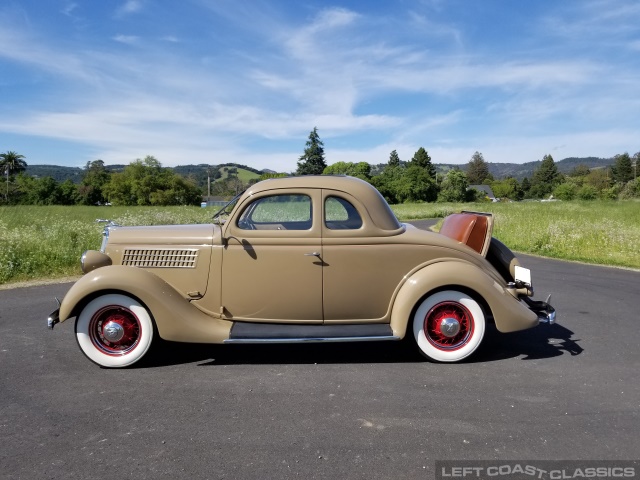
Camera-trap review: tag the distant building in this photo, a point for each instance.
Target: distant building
(486, 189)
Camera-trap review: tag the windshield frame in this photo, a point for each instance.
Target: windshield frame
(223, 210)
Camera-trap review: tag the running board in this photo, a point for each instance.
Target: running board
(245, 332)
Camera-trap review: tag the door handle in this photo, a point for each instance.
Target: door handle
(312, 254)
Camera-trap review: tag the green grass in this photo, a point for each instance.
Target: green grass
(46, 242)
(600, 232)
(42, 242)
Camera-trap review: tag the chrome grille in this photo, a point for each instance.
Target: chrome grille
(160, 258)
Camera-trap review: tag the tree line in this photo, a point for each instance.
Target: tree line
(417, 181)
(142, 182)
(146, 182)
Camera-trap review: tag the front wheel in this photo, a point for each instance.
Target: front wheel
(448, 326)
(114, 330)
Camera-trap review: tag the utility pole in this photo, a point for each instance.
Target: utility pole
(6, 171)
(208, 185)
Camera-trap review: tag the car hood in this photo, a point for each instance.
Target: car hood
(195, 235)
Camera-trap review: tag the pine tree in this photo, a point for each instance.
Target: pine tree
(422, 159)
(477, 169)
(622, 170)
(545, 178)
(312, 161)
(394, 159)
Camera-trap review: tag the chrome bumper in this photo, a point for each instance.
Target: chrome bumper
(546, 313)
(54, 317)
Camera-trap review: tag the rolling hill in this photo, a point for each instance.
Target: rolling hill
(198, 173)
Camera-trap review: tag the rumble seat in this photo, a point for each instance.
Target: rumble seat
(471, 228)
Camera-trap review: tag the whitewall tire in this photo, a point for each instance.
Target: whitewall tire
(448, 326)
(114, 330)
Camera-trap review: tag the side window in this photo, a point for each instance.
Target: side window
(277, 212)
(339, 214)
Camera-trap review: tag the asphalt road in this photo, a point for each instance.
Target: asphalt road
(366, 411)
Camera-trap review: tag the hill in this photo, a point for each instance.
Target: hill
(198, 173)
(522, 170)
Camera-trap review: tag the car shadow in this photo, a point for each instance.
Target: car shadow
(545, 341)
(538, 343)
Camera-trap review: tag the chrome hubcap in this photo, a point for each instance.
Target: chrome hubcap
(449, 327)
(113, 332)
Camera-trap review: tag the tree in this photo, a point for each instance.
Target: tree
(96, 176)
(422, 159)
(415, 185)
(598, 179)
(622, 171)
(454, 187)
(68, 193)
(507, 188)
(394, 159)
(387, 182)
(631, 190)
(11, 163)
(525, 186)
(477, 169)
(146, 182)
(312, 161)
(580, 171)
(545, 178)
(361, 170)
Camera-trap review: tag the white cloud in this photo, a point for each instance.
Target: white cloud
(381, 82)
(127, 39)
(69, 8)
(129, 7)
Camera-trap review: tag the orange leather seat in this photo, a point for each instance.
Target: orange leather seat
(468, 228)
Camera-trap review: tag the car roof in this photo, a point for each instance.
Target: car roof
(367, 194)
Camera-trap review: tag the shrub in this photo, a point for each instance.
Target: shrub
(631, 189)
(565, 191)
(587, 192)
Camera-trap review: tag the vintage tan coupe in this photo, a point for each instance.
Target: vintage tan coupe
(301, 259)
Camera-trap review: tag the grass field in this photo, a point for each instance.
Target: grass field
(606, 233)
(43, 242)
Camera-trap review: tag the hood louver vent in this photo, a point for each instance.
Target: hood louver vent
(161, 258)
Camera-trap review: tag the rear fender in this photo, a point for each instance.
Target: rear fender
(176, 318)
(510, 314)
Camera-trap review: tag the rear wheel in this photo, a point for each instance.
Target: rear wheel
(114, 330)
(448, 326)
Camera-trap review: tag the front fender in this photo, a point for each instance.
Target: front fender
(510, 314)
(175, 317)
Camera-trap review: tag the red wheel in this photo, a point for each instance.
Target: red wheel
(448, 326)
(114, 330)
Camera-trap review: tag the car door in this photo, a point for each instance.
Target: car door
(271, 261)
(362, 270)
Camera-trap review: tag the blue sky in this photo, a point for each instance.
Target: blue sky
(217, 81)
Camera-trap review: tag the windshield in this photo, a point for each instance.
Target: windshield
(226, 210)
